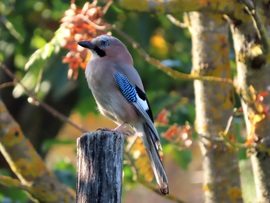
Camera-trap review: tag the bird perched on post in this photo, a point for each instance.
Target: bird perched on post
(120, 96)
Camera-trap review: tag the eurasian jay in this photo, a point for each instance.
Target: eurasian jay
(120, 96)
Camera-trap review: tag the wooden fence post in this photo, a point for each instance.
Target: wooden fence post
(99, 167)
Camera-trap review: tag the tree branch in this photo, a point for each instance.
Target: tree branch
(172, 73)
(258, 24)
(27, 165)
(11, 182)
(38, 102)
(177, 6)
(7, 181)
(176, 22)
(7, 84)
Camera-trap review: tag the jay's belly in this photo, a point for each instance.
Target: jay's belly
(114, 106)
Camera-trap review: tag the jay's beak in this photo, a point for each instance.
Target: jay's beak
(87, 44)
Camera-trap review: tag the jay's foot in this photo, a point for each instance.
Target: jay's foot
(125, 132)
(104, 129)
(118, 129)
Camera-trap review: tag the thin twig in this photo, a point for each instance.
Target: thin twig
(13, 31)
(48, 108)
(176, 22)
(39, 79)
(106, 7)
(229, 123)
(7, 84)
(172, 73)
(260, 28)
(96, 26)
(7, 181)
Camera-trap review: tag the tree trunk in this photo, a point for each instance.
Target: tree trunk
(99, 167)
(253, 67)
(214, 106)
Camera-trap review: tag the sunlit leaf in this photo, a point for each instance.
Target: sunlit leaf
(36, 63)
(46, 51)
(38, 42)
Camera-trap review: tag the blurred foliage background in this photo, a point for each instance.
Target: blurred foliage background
(27, 26)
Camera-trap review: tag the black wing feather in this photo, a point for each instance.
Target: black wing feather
(142, 95)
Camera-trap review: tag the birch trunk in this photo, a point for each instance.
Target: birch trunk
(214, 106)
(253, 68)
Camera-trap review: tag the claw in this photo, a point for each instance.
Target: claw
(104, 129)
(127, 132)
(118, 129)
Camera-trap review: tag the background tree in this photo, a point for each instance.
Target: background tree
(35, 88)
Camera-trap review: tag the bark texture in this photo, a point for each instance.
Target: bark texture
(99, 167)
(24, 161)
(253, 68)
(214, 106)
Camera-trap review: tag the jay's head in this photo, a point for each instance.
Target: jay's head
(105, 46)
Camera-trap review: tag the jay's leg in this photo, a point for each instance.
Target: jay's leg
(118, 129)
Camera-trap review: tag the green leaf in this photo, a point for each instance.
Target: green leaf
(65, 165)
(66, 173)
(128, 177)
(52, 142)
(86, 102)
(37, 41)
(39, 59)
(14, 194)
(46, 51)
(5, 172)
(183, 157)
(242, 154)
(238, 126)
(15, 28)
(117, 9)
(40, 56)
(87, 105)
(67, 177)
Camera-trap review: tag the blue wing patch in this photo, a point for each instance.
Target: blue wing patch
(128, 91)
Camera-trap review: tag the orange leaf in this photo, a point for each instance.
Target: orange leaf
(250, 141)
(162, 117)
(261, 96)
(171, 132)
(79, 25)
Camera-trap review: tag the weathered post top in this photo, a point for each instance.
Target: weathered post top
(99, 167)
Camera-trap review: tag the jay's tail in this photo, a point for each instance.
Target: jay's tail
(151, 146)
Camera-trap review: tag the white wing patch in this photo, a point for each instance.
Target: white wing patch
(143, 103)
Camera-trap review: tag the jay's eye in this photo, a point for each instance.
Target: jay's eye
(104, 43)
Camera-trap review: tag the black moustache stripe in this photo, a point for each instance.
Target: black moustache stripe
(99, 51)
